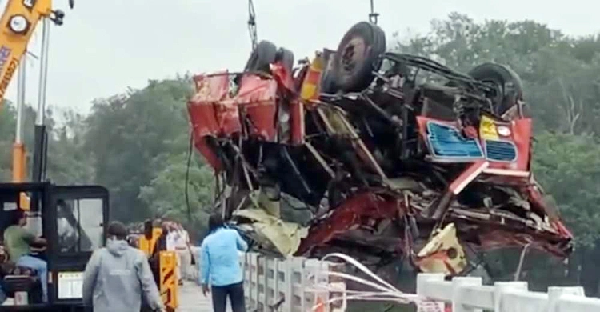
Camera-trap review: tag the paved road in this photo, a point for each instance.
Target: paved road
(192, 300)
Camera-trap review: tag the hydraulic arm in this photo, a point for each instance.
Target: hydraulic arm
(17, 24)
(16, 27)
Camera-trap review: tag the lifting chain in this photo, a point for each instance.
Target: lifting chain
(252, 24)
(373, 16)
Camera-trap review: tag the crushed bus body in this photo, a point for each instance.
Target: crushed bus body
(392, 155)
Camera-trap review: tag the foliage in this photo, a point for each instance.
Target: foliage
(8, 123)
(567, 166)
(127, 133)
(166, 193)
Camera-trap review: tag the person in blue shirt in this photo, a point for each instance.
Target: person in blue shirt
(220, 267)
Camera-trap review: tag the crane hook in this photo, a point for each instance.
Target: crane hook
(373, 16)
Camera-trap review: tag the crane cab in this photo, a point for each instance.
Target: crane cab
(71, 219)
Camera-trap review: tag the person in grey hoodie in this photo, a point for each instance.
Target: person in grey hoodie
(118, 275)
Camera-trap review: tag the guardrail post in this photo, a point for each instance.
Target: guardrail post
(423, 279)
(276, 294)
(457, 284)
(501, 288)
(336, 285)
(256, 280)
(244, 278)
(253, 276)
(423, 285)
(339, 288)
(555, 292)
(248, 279)
(264, 283)
(289, 285)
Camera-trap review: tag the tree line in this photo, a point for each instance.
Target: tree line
(137, 143)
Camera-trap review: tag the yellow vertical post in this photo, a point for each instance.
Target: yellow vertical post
(18, 173)
(169, 284)
(19, 164)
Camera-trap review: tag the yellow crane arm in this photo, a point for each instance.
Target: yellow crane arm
(17, 24)
(16, 27)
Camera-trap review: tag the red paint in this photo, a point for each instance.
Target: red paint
(257, 100)
(467, 176)
(211, 111)
(282, 77)
(297, 119)
(520, 135)
(355, 211)
(212, 114)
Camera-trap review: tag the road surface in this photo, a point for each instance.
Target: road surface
(192, 300)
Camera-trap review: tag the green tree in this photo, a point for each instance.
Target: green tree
(127, 132)
(166, 194)
(68, 161)
(8, 121)
(567, 166)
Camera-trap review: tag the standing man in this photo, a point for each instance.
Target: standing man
(220, 266)
(182, 246)
(160, 244)
(172, 231)
(171, 245)
(148, 239)
(18, 242)
(118, 275)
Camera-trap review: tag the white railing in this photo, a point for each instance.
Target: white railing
(292, 285)
(286, 285)
(467, 294)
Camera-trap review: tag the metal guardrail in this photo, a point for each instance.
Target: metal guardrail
(286, 285)
(467, 294)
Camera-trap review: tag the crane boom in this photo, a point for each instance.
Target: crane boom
(16, 28)
(17, 24)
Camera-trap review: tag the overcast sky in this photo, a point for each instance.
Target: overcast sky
(105, 46)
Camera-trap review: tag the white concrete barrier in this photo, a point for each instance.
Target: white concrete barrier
(467, 294)
(289, 285)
